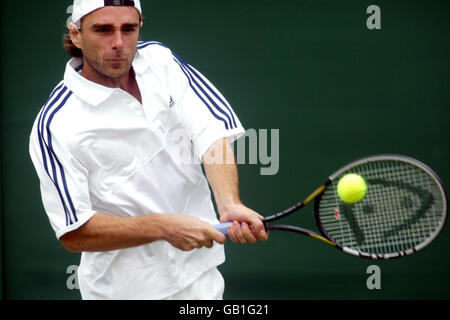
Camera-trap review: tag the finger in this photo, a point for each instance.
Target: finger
(232, 234)
(261, 236)
(257, 226)
(209, 244)
(188, 247)
(255, 220)
(247, 233)
(218, 237)
(212, 234)
(264, 236)
(238, 232)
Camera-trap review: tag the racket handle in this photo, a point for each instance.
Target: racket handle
(222, 227)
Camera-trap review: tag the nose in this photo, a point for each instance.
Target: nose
(117, 41)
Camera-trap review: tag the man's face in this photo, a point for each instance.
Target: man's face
(108, 39)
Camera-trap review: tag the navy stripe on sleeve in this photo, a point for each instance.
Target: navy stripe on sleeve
(55, 170)
(197, 84)
(190, 79)
(210, 97)
(143, 44)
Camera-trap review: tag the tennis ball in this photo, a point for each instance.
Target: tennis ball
(351, 188)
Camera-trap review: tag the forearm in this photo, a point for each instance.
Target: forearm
(222, 174)
(105, 232)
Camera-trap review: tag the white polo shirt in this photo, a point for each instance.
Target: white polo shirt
(98, 149)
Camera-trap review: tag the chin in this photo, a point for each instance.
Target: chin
(117, 73)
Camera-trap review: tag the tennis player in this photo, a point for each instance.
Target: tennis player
(111, 181)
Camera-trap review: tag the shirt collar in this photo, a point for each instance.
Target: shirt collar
(139, 63)
(91, 92)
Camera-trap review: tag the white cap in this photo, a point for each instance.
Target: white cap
(84, 7)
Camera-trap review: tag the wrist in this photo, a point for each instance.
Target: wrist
(228, 207)
(158, 225)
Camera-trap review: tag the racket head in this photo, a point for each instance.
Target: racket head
(404, 209)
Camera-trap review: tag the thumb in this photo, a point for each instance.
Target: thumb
(218, 236)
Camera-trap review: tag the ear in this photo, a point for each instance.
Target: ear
(75, 35)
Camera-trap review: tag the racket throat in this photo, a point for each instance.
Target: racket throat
(300, 230)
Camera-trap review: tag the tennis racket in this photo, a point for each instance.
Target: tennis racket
(404, 209)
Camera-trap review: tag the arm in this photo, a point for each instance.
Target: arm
(221, 172)
(104, 232)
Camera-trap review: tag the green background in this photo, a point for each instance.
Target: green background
(336, 90)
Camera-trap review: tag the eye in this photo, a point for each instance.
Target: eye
(103, 29)
(130, 29)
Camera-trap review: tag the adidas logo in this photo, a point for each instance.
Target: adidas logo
(171, 102)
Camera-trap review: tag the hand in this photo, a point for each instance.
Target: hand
(187, 232)
(247, 225)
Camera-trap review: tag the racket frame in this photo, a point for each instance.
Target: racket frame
(326, 238)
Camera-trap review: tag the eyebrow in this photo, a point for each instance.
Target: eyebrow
(100, 25)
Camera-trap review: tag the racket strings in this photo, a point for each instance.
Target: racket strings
(402, 208)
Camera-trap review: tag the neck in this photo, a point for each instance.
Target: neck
(126, 82)
(93, 75)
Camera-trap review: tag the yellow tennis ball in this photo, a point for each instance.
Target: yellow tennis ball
(351, 188)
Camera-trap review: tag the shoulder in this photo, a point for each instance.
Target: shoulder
(155, 50)
(151, 44)
(58, 100)
(56, 112)
(158, 53)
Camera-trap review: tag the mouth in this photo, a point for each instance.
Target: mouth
(117, 63)
(117, 60)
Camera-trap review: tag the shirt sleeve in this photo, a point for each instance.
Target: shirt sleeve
(203, 111)
(63, 180)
